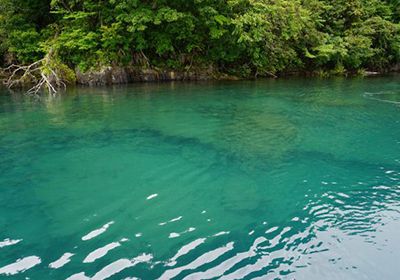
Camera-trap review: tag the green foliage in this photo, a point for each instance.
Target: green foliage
(359, 33)
(273, 34)
(21, 22)
(24, 44)
(66, 74)
(242, 37)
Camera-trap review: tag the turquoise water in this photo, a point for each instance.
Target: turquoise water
(279, 179)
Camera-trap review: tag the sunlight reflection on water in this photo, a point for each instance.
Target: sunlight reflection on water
(287, 179)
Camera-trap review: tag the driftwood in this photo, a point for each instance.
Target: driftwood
(40, 74)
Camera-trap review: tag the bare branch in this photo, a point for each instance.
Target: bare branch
(40, 73)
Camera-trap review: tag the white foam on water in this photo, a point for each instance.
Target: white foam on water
(66, 258)
(97, 232)
(20, 265)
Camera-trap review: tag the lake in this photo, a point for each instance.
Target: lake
(273, 179)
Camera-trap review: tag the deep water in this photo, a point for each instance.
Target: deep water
(276, 179)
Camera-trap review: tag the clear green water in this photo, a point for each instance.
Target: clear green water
(289, 179)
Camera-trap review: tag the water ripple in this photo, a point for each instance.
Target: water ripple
(257, 180)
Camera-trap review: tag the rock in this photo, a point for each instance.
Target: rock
(102, 77)
(119, 75)
(122, 75)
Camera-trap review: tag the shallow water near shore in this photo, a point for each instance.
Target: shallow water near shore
(275, 179)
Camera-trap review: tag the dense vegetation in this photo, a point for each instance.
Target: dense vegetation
(240, 37)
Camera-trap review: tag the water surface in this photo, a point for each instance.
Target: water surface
(279, 179)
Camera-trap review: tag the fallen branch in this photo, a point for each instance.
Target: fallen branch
(42, 74)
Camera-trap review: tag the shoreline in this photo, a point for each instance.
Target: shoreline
(114, 76)
(126, 75)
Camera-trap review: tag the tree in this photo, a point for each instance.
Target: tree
(242, 37)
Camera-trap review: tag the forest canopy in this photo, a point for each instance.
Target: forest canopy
(240, 37)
